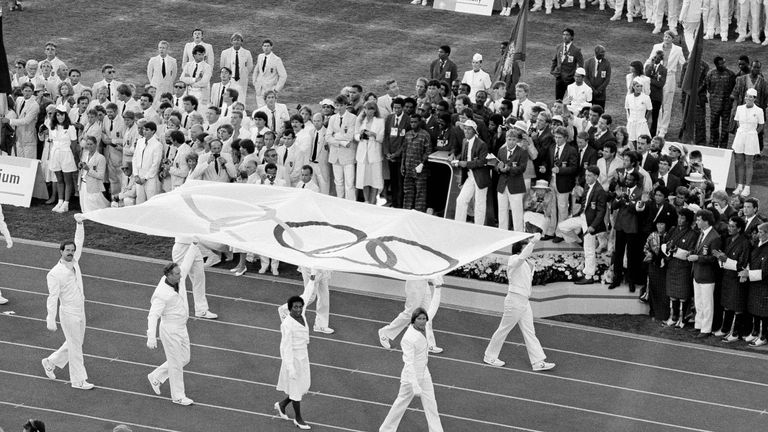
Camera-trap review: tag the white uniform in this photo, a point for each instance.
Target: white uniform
(317, 289)
(294, 377)
(162, 78)
(201, 88)
(146, 163)
(637, 123)
(181, 248)
(268, 74)
(240, 65)
(321, 169)
(171, 308)
(65, 287)
(479, 80)
(746, 140)
(417, 295)
(415, 376)
(517, 309)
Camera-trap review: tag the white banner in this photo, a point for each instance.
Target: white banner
(17, 180)
(719, 161)
(477, 7)
(310, 229)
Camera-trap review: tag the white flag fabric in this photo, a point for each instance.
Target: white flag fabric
(310, 229)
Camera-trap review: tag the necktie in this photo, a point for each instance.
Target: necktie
(519, 110)
(341, 119)
(264, 64)
(123, 111)
(565, 49)
(216, 165)
(163, 69)
(589, 192)
(23, 103)
(285, 156)
(221, 97)
(237, 66)
(109, 92)
(186, 117)
(701, 239)
(302, 185)
(313, 158)
(79, 116)
(597, 66)
(111, 125)
(272, 120)
(557, 153)
(194, 72)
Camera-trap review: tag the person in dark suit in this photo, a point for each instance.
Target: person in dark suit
(752, 219)
(589, 220)
(430, 121)
(443, 69)
(627, 193)
(603, 135)
(567, 58)
(733, 291)
(395, 127)
(757, 302)
(562, 166)
(587, 156)
(705, 271)
(648, 161)
(598, 75)
(676, 162)
(656, 209)
(721, 208)
(510, 188)
(542, 140)
(664, 178)
(657, 72)
(475, 177)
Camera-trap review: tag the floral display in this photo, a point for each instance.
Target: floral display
(550, 267)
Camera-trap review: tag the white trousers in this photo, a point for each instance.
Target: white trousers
(196, 274)
(404, 398)
(27, 150)
(689, 32)
(4, 228)
(514, 202)
(718, 17)
(415, 297)
(563, 200)
(317, 290)
(703, 299)
(669, 7)
(175, 341)
(468, 191)
(322, 174)
(749, 14)
(517, 310)
(147, 190)
(571, 228)
(538, 220)
(344, 180)
(666, 108)
(269, 262)
(73, 327)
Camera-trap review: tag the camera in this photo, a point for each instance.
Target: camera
(363, 136)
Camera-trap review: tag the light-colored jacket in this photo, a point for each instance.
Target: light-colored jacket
(692, 11)
(25, 123)
(97, 168)
(272, 77)
(339, 137)
(369, 150)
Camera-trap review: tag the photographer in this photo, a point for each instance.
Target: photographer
(215, 165)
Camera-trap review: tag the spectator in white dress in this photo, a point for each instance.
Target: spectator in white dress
(749, 119)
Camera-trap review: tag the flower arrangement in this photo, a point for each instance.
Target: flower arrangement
(550, 267)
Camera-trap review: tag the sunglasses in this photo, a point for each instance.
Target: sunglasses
(178, 87)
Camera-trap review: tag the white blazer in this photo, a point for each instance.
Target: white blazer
(675, 61)
(246, 63)
(273, 75)
(155, 73)
(187, 56)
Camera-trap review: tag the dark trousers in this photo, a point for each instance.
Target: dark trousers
(719, 119)
(396, 183)
(700, 126)
(600, 102)
(415, 193)
(655, 116)
(631, 243)
(561, 86)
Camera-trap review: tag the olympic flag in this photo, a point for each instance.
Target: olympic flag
(310, 229)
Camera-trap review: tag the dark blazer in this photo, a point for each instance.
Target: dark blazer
(511, 177)
(651, 164)
(658, 78)
(542, 140)
(447, 73)
(679, 171)
(626, 217)
(476, 162)
(569, 165)
(600, 82)
(433, 129)
(589, 158)
(565, 70)
(599, 143)
(450, 140)
(671, 184)
(705, 270)
(394, 144)
(651, 215)
(594, 209)
(721, 219)
(751, 228)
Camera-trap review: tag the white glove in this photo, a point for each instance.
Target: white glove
(151, 342)
(437, 281)
(51, 325)
(536, 237)
(115, 204)
(79, 218)
(419, 168)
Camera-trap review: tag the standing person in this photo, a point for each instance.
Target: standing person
(749, 16)
(162, 69)
(109, 82)
(395, 128)
(268, 73)
(93, 167)
(757, 304)
(413, 170)
(679, 283)
(598, 76)
(146, 163)
(443, 68)
(417, 295)
(318, 155)
(733, 259)
(197, 75)
(752, 79)
(672, 9)
(369, 134)
(657, 72)
(562, 164)
(294, 377)
(477, 78)
(638, 106)
(196, 272)
(27, 111)
(517, 310)
(415, 380)
(673, 61)
(720, 82)
(316, 283)
(475, 177)
(567, 58)
(627, 193)
(341, 153)
(169, 306)
(691, 14)
(513, 161)
(197, 41)
(240, 61)
(62, 161)
(65, 287)
(705, 270)
(750, 120)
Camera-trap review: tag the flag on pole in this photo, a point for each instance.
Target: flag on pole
(690, 87)
(511, 64)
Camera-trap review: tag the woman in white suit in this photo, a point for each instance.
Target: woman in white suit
(93, 166)
(369, 134)
(674, 59)
(294, 377)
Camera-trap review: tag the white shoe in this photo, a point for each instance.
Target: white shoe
(725, 39)
(325, 330)
(738, 189)
(415, 2)
(758, 342)
(630, 18)
(304, 426)
(765, 43)
(656, 30)
(615, 17)
(493, 362)
(424, 3)
(602, 7)
(82, 385)
(57, 206)
(48, 367)
(750, 338)
(263, 269)
(435, 350)
(63, 208)
(212, 260)
(548, 12)
(274, 271)
(239, 271)
(741, 39)
(155, 384)
(384, 341)
(757, 41)
(535, 9)
(281, 414)
(569, 3)
(185, 401)
(543, 366)
(3, 300)
(745, 193)
(207, 315)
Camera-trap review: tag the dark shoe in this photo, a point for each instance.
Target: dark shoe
(613, 285)
(631, 287)
(557, 240)
(584, 281)
(547, 237)
(703, 335)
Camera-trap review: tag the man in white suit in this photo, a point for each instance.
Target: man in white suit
(240, 62)
(342, 148)
(215, 165)
(674, 63)
(109, 73)
(277, 113)
(27, 110)
(268, 73)
(197, 75)
(146, 164)
(218, 89)
(318, 155)
(197, 40)
(162, 69)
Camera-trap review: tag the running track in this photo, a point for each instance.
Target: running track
(604, 381)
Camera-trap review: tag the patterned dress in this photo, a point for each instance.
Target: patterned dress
(679, 282)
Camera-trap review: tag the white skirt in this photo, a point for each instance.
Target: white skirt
(747, 143)
(299, 386)
(45, 163)
(91, 201)
(369, 174)
(62, 159)
(635, 128)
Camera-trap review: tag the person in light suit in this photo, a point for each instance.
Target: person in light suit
(65, 289)
(294, 377)
(93, 167)
(240, 61)
(342, 149)
(109, 82)
(27, 111)
(277, 113)
(268, 73)
(197, 75)
(318, 155)
(179, 170)
(162, 69)
(477, 78)
(690, 15)
(306, 181)
(215, 165)
(674, 63)
(369, 134)
(219, 89)
(146, 163)
(197, 41)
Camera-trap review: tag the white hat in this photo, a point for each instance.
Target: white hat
(522, 125)
(558, 118)
(326, 101)
(581, 71)
(541, 184)
(679, 147)
(469, 123)
(752, 92)
(477, 57)
(693, 207)
(61, 108)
